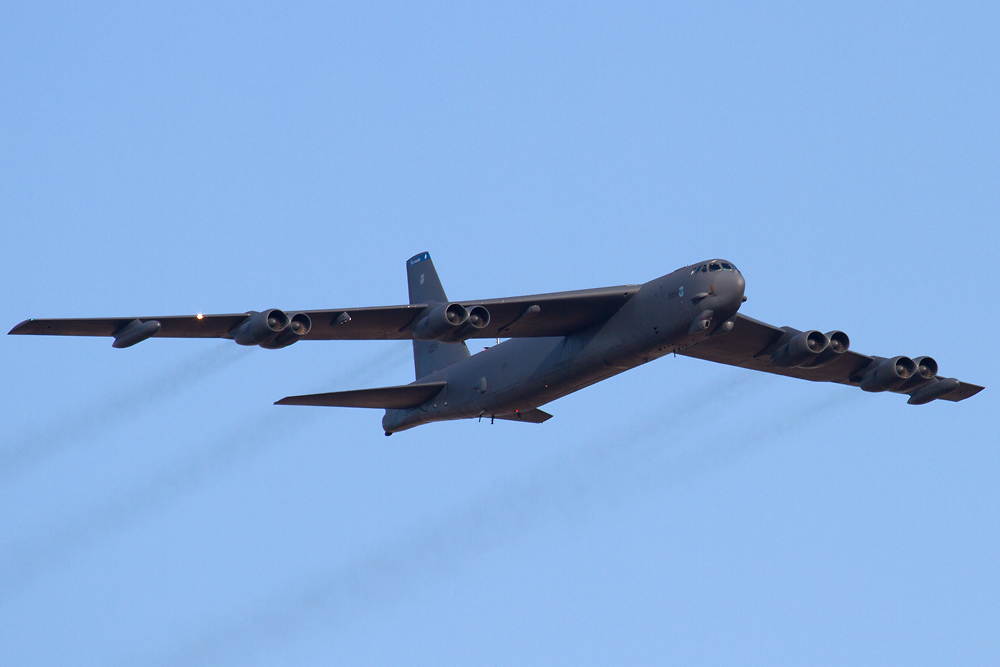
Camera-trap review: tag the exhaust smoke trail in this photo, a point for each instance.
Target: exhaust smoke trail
(607, 472)
(39, 444)
(23, 562)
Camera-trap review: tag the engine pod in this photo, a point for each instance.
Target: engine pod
(803, 348)
(927, 370)
(259, 328)
(478, 319)
(838, 344)
(441, 322)
(889, 374)
(298, 326)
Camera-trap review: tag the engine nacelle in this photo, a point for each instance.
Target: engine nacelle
(927, 370)
(478, 319)
(839, 343)
(802, 349)
(441, 322)
(298, 327)
(261, 328)
(889, 374)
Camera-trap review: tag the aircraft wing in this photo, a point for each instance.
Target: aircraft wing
(173, 326)
(751, 343)
(399, 397)
(555, 314)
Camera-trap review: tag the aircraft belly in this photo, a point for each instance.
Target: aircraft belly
(517, 375)
(525, 373)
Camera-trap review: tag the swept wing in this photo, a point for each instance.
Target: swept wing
(751, 343)
(554, 314)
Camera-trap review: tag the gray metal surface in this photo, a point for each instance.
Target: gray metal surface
(557, 344)
(424, 286)
(403, 396)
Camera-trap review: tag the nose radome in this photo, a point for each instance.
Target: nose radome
(729, 287)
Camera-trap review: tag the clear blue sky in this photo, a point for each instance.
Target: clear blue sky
(171, 158)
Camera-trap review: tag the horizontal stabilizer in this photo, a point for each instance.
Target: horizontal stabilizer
(404, 396)
(535, 416)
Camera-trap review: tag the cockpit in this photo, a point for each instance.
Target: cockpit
(714, 265)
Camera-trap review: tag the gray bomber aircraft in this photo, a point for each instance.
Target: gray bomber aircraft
(558, 343)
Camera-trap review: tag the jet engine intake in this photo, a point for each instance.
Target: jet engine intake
(298, 327)
(441, 322)
(478, 319)
(802, 349)
(926, 370)
(839, 343)
(889, 374)
(260, 327)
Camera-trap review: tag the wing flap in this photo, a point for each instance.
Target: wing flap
(399, 397)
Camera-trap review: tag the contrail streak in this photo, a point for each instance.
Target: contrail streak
(34, 446)
(612, 469)
(23, 561)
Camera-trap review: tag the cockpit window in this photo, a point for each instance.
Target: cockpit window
(716, 265)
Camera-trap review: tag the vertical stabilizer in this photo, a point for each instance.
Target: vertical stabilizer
(425, 287)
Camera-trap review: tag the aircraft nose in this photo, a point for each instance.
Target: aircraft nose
(729, 286)
(740, 285)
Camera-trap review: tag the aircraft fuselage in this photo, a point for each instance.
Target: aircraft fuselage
(520, 374)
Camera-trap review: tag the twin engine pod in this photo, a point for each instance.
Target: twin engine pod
(916, 377)
(271, 329)
(903, 374)
(451, 323)
(811, 349)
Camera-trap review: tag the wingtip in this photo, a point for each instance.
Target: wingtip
(21, 325)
